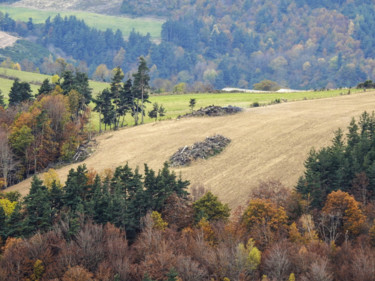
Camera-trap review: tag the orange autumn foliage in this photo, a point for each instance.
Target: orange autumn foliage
(343, 205)
(264, 220)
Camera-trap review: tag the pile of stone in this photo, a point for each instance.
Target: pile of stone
(209, 147)
(84, 151)
(214, 110)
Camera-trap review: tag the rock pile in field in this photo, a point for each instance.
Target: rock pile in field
(209, 147)
(214, 110)
(84, 151)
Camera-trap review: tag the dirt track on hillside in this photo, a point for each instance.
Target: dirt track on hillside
(267, 143)
(6, 40)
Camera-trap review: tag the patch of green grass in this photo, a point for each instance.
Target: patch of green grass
(99, 21)
(179, 104)
(30, 77)
(24, 76)
(176, 105)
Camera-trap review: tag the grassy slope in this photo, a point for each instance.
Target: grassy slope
(267, 143)
(102, 22)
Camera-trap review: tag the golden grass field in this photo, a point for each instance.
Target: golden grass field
(269, 142)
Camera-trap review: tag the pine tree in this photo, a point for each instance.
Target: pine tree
(19, 92)
(101, 199)
(3, 228)
(75, 189)
(45, 88)
(67, 83)
(141, 86)
(161, 111)
(154, 112)
(126, 102)
(14, 224)
(117, 209)
(81, 85)
(56, 198)
(99, 103)
(37, 208)
(107, 109)
(116, 93)
(129, 100)
(192, 104)
(2, 100)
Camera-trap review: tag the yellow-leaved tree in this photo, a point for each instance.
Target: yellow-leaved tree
(8, 206)
(248, 257)
(51, 176)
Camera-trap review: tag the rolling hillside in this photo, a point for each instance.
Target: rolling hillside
(267, 143)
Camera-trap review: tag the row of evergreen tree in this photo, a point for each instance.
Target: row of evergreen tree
(122, 199)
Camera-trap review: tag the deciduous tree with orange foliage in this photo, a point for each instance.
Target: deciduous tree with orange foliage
(343, 207)
(264, 220)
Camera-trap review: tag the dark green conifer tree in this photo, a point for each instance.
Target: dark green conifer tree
(56, 198)
(14, 224)
(2, 100)
(75, 189)
(107, 108)
(81, 85)
(141, 86)
(19, 92)
(102, 200)
(3, 228)
(45, 88)
(128, 99)
(38, 209)
(116, 86)
(68, 82)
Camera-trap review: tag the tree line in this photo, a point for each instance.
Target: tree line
(123, 225)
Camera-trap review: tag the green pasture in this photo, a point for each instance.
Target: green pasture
(34, 79)
(99, 21)
(178, 104)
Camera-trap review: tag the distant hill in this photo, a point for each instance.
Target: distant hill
(300, 44)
